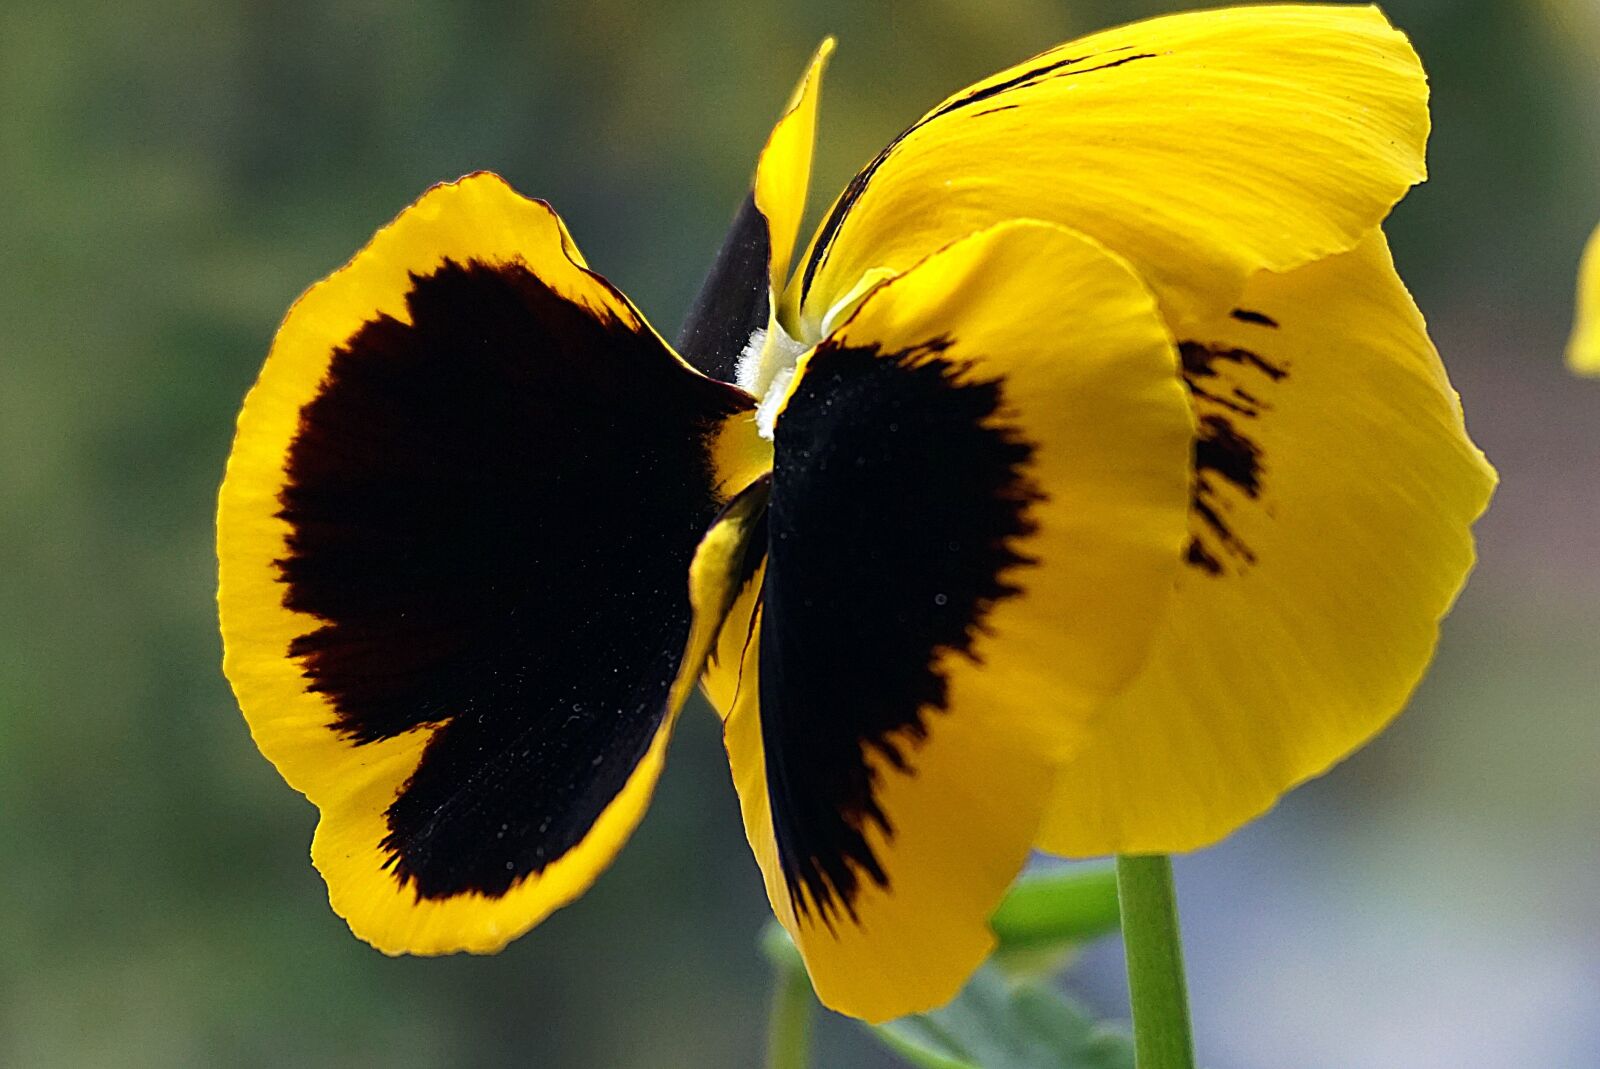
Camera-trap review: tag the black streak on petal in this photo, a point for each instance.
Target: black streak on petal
(1207, 361)
(1224, 455)
(1221, 449)
(492, 511)
(1029, 77)
(1061, 68)
(899, 495)
(1260, 319)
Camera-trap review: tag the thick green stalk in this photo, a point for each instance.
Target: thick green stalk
(1154, 947)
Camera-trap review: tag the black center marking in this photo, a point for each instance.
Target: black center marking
(899, 495)
(493, 510)
(1223, 454)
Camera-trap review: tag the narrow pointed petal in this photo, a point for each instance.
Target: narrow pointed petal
(738, 296)
(783, 174)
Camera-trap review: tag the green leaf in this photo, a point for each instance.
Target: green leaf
(993, 1025)
(1048, 915)
(779, 948)
(1070, 904)
(1006, 1018)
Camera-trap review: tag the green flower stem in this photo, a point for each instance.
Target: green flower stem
(789, 1027)
(1156, 986)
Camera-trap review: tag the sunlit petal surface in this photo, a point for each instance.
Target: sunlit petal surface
(1203, 147)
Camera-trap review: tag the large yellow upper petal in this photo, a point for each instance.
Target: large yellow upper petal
(1583, 351)
(1334, 496)
(1202, 147)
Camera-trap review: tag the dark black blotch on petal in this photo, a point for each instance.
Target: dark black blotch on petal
(899, 497)
(492, 510)
(1226, 383)
(1222, 450)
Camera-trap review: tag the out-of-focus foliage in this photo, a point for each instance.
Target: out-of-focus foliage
(993, 1025)
(174, 173)
(1009, 1015)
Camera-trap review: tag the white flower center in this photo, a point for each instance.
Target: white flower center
(767, 365)
(765, 370)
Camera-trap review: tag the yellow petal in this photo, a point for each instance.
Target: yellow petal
(978, 505)
(726, 567)
(1202, 147)
(738, 296)
(783, 174)
(1583, 351)
(1335, 491)
(453, 441)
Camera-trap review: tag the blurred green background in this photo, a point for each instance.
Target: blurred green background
(173, 173)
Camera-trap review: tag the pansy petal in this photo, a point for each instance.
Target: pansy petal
(1583, 351)
(1335, 487)
(1202, 147)
(453, 538)
(726, 567)
(977, 508)
(783, 173)
(736, 298)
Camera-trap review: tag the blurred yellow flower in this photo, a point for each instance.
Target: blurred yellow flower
(1583, 351)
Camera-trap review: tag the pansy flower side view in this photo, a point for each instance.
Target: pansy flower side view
(1088, 481)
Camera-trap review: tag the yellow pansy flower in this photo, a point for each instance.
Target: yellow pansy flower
(1087, 481)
